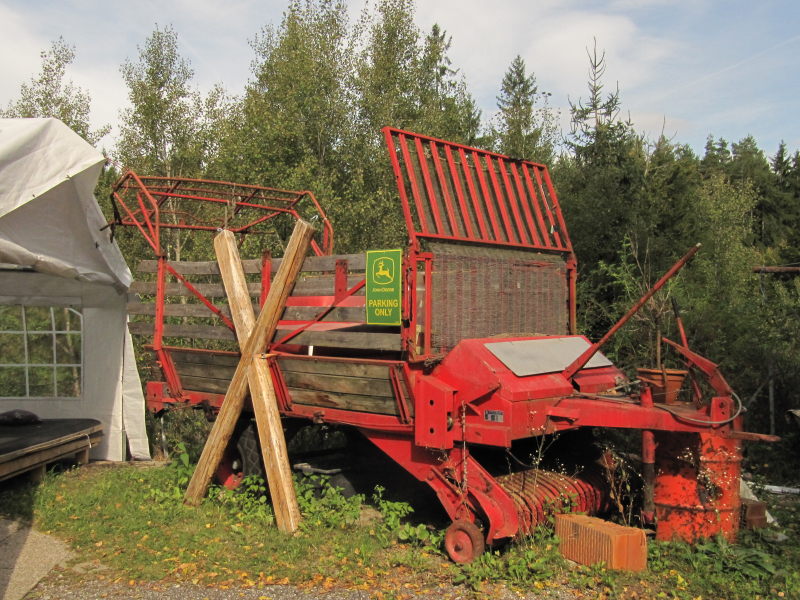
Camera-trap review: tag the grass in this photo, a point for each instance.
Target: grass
(131, 520)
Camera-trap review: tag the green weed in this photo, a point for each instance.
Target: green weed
(325, 506)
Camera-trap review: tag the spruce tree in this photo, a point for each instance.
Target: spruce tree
(525, 126)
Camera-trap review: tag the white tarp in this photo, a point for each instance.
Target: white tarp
(50, 226)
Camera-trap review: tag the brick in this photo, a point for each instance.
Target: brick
(589, 540)
(754, 514)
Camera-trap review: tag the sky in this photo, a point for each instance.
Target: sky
(685, 68)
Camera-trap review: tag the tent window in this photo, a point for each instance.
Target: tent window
(41, 352)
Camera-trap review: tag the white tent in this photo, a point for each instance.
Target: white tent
(65, 349)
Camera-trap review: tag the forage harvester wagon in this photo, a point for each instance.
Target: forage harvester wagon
(463, 341)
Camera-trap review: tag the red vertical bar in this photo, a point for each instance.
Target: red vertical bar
(434, 204)
(164, 359)
(572, 276)
(562, 227)
(428, 303)
(487, 198)
(501, 202)
(519, 224)
(266, 277)
(451, 217)
(473, 193)
(401, 186)
(408, 329)
(459, 192)
(423, 223)
(523, 200)
(148, 222)
(340, 280)
(536, 199)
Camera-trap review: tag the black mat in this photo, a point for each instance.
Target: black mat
(49, 431)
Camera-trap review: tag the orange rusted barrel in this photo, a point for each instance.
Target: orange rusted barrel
(697, 486)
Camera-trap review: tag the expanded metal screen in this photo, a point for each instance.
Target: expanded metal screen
(483, 292)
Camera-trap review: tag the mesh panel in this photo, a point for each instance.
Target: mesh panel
(482, 292)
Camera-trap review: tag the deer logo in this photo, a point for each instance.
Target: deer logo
(383, 271)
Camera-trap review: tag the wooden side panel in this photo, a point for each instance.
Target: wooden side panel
(341, 385)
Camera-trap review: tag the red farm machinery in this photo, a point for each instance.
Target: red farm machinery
(461, 345)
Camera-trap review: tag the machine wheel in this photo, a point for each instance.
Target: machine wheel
(241, 458)
(463, 541)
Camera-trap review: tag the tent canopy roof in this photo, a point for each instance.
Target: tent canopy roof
(49, 219)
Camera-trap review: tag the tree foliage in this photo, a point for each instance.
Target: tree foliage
(49, 95)
(168, 129)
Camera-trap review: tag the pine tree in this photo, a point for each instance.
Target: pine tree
(523, 129)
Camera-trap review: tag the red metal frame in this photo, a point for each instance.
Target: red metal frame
(250, 207)
(510, 190)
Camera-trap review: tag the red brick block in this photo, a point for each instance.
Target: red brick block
(754, 514)
(588, 541)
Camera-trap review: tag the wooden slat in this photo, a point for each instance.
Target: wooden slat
(339, 339)
(366, 340)
(223, 372)
(176, 309)
(355, 314)
(204, 358)
(338, 384)
(355, 262)
(200, 332)
(206, 267)
(209, 290)
(205, 384)
(329, 367)
(292, 313)
(323, 285)
(371, 404)
(309, 287)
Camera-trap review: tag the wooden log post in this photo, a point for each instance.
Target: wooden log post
(263, 331)
(262, 392)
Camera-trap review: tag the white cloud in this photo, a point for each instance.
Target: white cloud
(692, 62)
(20, 50)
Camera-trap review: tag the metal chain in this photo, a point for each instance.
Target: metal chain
(464, 482)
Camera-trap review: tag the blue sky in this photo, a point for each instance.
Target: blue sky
(688, 67)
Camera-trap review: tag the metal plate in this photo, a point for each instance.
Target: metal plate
(546, 355)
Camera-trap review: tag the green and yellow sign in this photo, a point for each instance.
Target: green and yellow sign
(384, 279)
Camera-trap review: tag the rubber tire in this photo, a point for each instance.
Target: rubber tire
(463, 541)
(242, 457)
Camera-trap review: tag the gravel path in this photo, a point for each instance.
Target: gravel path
(60, 587)
(70, 584)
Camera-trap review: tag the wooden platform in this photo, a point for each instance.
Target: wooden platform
(31, 447)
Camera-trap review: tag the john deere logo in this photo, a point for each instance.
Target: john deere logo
(383, 302)
(383, 271)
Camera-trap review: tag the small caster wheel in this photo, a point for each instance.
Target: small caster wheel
(463, 541)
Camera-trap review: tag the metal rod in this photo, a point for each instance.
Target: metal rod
(584, 358)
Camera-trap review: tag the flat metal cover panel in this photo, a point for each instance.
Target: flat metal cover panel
(547, 355)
